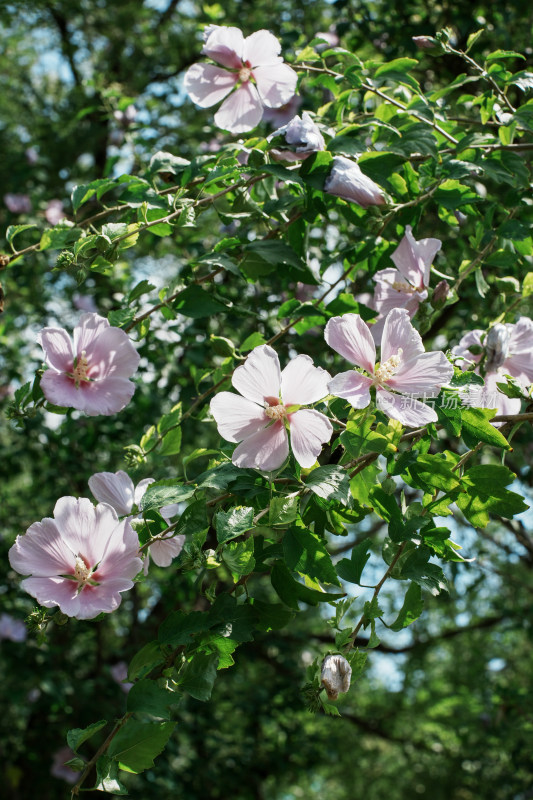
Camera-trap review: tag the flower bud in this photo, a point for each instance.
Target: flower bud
(496, 347)
(302, 138)
(347, 181)
(440, 294)
(335, 675)
(424, 42)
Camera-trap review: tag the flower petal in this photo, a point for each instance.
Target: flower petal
(236, 416)
(399, 334)
(42, 551)
(392, 291)
(266, 450)
(309, 431)
(108, 396)
(462, 350)
(57, 346)
(302, 382)
(111, 353)
(90, 326)
(351, 386)
(141, 488)
(276, 84)
(207, 85)
(85, 529)
(241, 111)
(114, 488)
(50, 592)
(424, 374)
(519, 362)
(225, 46)
(351, 338)
(414, 259)
(261, 47)
(407, 410)
(260, 375)
(61, 390)
(346, 180)
(164, 551)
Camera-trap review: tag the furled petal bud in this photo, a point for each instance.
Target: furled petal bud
(496, 347)
(335, 675)
(347, 181)
(302, 138)
(440, 294)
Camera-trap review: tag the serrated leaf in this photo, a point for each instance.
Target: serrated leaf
(77, 736)
(486, 494)
(164, 493)
(136, 744)
(179, 627)
(306, 553)
(413, 606)
(291, 591)
(330, 482)
(351, 569)
(145, 660)
(283, 510)
(239, 558)
(171, 444)
(195, 302)
(476, 423)
(14, 230)
(107, 777)
(233, 523)
(199, 676)
(149, 698)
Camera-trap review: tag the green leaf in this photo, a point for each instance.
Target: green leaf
(486, 494)
(59, 237)
(351, 569)
(136, 744)
(283, 510)
(239, 558)
(413, 606)
(195, 302)
(418, 568)
(232, 619)
(171, 444)
(149, 698)
(396, 70)
(291, 591)
(453, 194)
(372, 609)
(179, 627)
(357, 661)
(145, 660)
(476, 424)
(271, 616)
(121, 317)
(434, 472)
(199, 676)
(472, 39)
(77, 736)
(330, 482)
(143, 287)
(83, 192)
(164, 493)
(166, 162)
(306, 553)
(107, 777)
(527, 285)
(233, 523)
(14, 230)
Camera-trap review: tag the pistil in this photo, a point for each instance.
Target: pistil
(386, 370)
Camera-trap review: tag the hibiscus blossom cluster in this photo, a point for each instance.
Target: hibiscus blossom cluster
(268, 409)
(506, 349)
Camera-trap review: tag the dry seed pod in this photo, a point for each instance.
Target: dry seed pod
(335, 675)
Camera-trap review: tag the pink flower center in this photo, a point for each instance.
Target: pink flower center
(274, 409)
(80, 367)
(245, 73)
(82, 573)
(386, 370)
(404, 287)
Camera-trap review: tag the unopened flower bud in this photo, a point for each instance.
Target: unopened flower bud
(424, 42)
(335, 675)
(302, 138)
(496, 347)
(4, 260)
(440, 294)
(347, 181)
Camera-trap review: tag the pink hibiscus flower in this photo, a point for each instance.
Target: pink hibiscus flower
(406, 286)
(347, 181)
(405, 372)
(252, 66)
(508, 350)
(117, 489)
(81, 560)
(270, 404)
(92, 373)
